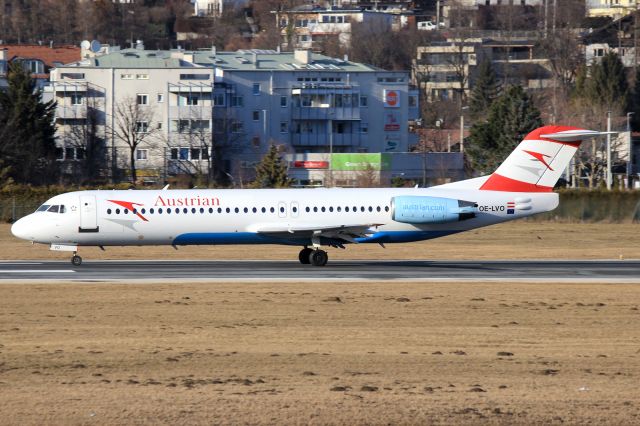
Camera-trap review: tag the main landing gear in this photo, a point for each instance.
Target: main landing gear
(315, 257)
(76, 260)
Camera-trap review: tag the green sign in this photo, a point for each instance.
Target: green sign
(361, 161)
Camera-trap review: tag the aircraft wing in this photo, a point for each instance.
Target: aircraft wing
(343, 232)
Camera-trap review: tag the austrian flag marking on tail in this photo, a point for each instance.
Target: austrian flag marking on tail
(538, 161)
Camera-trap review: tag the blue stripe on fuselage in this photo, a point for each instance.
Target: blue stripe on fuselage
(203, 238)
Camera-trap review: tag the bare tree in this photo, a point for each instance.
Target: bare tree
(133, 125)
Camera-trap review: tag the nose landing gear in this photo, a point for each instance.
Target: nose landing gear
(76, 260)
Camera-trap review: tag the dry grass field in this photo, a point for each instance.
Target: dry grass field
(330, 353)
(343, 353)
(515, 240)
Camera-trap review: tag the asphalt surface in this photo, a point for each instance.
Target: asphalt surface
(337, 270)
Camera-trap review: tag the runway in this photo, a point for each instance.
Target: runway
(337, 270)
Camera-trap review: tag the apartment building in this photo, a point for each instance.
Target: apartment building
(611, 8)
(445, 70)
(206, 109)
(38, 59)
(309, 26)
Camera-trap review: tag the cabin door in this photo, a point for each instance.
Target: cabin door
(88, 214)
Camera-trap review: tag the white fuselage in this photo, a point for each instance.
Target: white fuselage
(230, 216)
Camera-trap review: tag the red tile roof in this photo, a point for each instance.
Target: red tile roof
(48, 55)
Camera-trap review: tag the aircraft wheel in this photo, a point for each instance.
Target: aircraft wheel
(303, 257)
(76, 260)
(318, 258)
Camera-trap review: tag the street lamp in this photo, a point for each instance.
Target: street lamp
(608, 174)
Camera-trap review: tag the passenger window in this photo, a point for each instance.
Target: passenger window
(264, 210)
(193, 210)
(361, 208)
(160, 210)
(323, 209)
(255, 210)
(228, 210)
(339, 209)
(378, 209)
(185, 210)
(108, 211)
(117, 211)
(135, 211)
(237, 210)
(386, 208)
(54, 209)
(43, 208)
(331, 209)
(169, 210)
(126, 211)
(143, 211)
(210, 210)
(272, 210)
(370, 208)
(306, 209)
(151, 210)
(315, 210)
(219, 209)
(246, 210)
(346, 209)
(281, 209)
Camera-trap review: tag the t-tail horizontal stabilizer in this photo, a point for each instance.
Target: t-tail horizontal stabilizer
(538, 161)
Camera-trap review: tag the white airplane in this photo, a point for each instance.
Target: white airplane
(312, 218)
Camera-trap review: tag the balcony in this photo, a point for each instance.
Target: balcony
(322, 139)
(325, 113)
(71, 111)
(199, 112)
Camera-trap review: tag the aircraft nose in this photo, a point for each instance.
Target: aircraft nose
(20, 229)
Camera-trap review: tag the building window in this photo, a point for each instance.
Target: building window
(142, 99)
(237, 101)
(193, 99)
(284, 127)
(142, 76)
(256, 115)
(218, 99)
(598, 52)
(413, 101)
(142, 126)
(142, 154)
(283, 101)
(364, 127)
(159, 127)
(364, 101)
(194, 76)
(126, 76)
(237, 127)
(76, 99)
(160, 98)
(256, 88)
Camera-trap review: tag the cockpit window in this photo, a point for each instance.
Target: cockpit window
(54, 209)
(62, 209)
(43, 208)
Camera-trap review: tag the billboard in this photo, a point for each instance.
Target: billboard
(361, 161)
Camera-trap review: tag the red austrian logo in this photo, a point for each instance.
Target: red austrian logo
(130, 206)
(540, 157)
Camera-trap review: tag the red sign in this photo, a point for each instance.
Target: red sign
(311, 164)
(392, 98)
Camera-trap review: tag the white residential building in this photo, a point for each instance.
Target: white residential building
(227, 108)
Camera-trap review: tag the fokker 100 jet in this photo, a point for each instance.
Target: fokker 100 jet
(311, 218)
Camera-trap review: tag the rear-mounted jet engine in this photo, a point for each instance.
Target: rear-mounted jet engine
(415, 209)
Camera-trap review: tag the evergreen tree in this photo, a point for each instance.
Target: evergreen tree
(485, 90)
(607, 83)
(272, 171)
(511, 117)
(635, 103)
(27, 130)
